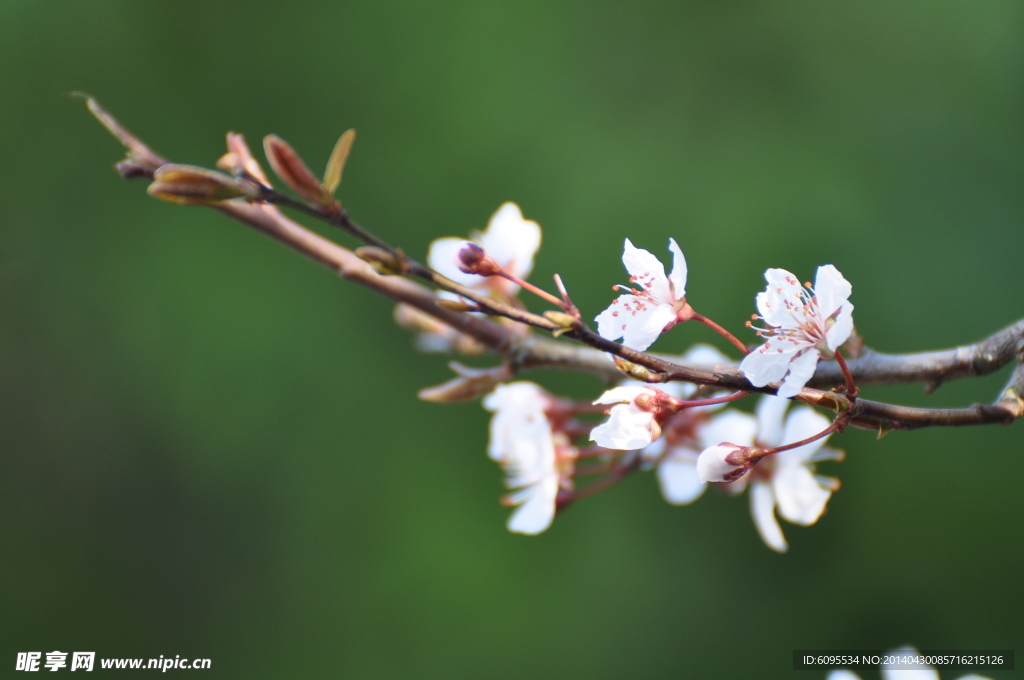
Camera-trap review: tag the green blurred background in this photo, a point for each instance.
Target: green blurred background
(212, 447)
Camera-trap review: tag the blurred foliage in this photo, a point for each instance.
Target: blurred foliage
(213, 448)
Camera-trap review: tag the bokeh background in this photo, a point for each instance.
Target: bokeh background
(212, 448)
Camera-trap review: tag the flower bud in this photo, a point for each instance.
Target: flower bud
(724, 463)
(472, 259)
(190, 184)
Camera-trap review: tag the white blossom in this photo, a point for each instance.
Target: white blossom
(678, 477)
(632, 422)
(523, 443)
(510, 240)
(785, 481)
(803, 326)
(651, 308)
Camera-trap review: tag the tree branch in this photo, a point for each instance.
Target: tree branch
(528, 352)
(931, 368)
(536, 353)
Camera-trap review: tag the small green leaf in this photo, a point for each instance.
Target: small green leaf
(336, 163)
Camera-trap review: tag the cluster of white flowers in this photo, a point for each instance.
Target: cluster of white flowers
(691, 453)
(804, 324)
(690, 445)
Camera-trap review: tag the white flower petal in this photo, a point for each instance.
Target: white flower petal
(831, 289)
(636, 320)
(538, 510)
(762, 507)
(646, 325)
(842, 328)
(770, 412)
(677, 476)
(782, 287)
(519, 429)
(801, 499)
(612, 322)
(802, 423)
(641, 264)
(626, 429)
(678, 276)
(767, 364)
(734, 427)
(801, 370)
(511, 240)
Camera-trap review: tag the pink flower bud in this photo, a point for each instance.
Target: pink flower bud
(472, 259)
(724, 463)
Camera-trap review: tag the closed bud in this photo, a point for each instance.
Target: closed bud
(189, 184)
(725, 462)
(287, 165)
(636, 371)
(472, 259)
